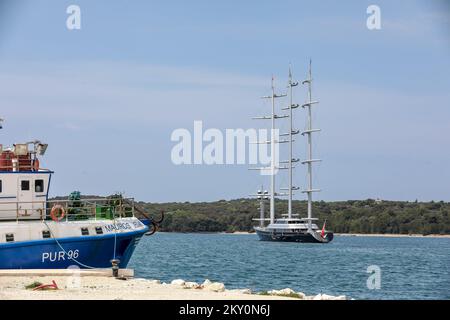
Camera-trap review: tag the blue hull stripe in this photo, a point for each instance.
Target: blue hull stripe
(92, 251)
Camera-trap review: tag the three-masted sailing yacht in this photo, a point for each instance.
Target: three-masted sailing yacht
(290, 227)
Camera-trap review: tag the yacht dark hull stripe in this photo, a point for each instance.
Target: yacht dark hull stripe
(294, 237)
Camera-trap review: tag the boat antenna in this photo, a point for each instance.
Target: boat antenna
(309, 132)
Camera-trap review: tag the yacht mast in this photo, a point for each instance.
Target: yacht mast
(262, 197)
(308, 132)
(273, 166)
(272, 159)
(291, 160)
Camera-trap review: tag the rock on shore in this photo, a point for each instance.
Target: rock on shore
(109, 288)
(288, 292)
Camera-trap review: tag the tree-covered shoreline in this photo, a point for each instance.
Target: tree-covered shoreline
(352, 216)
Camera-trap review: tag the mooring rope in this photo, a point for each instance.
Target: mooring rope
(115, 236)
(72, 258)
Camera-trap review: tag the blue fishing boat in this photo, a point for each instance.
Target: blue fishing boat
(41, 233)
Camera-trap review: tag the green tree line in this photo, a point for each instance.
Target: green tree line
(353, 216)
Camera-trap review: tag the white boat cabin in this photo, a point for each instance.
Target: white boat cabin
(292, 224)
(24, 186)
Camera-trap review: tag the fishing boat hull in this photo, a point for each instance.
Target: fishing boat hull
(303, 237)
(83, 252)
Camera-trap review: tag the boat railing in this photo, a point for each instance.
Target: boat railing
(74, 210)
(22, 168)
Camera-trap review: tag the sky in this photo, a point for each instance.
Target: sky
(107, 97)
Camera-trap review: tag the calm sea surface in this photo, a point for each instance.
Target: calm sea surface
(411, 268)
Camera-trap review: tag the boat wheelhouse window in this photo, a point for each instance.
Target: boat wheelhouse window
(46, 234)
(0, 186)
(9, 237)
(84, 231)
(99, 230)
(39, 185)
(25, 185)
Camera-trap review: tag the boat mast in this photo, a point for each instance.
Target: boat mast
(273, 166)
(308, 132)
(272, 159)
(262, 209)
(291, 84)
(262, 196)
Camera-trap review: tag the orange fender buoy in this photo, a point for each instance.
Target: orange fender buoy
(58, 213)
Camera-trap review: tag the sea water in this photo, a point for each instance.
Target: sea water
(404, 267)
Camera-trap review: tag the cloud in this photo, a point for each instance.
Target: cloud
(377, 131)
(128, 92)
(68, 126)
